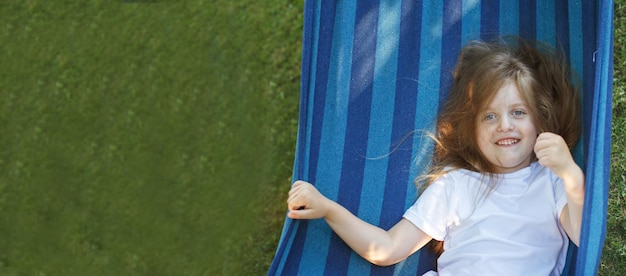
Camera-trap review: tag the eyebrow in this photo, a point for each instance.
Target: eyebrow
(521, 104)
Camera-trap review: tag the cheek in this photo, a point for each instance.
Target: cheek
(536, 127)
(483, 138)
(483, 134)
(532, 131)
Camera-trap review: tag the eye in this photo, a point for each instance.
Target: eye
(518, 113)
(489, 117)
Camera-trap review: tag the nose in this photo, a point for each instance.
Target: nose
(505, 124)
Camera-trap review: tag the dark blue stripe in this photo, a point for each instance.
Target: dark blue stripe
(528, 19)
(590, 24)
(589, 137)
(489, 19)
(327, 23)
(404, 112)
(569, 35)
(302, 151)
(295, 253)
(588, 73)
(357, 126)
(451, 43)
(561, 11)
(563, 28)
(570, 260)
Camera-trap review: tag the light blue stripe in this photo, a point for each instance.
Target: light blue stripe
(546, 23)
(333, 129)
(381, 122)
(422, 143)
(428, 89)
(382, 109)
(470, 26)
(337, 98)
(598, 171)
(599, 176)
(509, 17)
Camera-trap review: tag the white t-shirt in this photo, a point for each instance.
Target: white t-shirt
(514, 230)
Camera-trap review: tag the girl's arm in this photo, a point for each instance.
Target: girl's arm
(376, 245)
(552, 152)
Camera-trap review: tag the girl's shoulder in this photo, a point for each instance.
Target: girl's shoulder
(455, 177)
(451, 173)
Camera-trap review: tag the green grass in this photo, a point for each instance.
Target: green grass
(143, 138)
(614, 254)
(155, 138)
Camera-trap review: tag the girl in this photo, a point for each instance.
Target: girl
(504, 192)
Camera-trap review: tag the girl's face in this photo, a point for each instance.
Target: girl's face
(505, 130)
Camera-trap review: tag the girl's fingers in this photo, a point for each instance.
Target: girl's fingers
(298, 198)
(294, 202)
(299, 214)
(305, 201)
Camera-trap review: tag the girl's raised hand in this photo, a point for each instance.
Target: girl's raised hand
(306, 202)
(552, 152)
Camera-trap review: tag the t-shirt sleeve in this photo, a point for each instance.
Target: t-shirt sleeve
(430, 212)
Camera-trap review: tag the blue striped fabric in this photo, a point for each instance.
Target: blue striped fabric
(373, 75)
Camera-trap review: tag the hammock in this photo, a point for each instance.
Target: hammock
(373, 76)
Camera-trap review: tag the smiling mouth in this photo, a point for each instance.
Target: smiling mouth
(507, 142)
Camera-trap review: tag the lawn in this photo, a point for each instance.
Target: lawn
(614, 254)
(157, 138)
(143, 138)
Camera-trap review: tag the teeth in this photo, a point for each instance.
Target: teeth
(506, 142)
